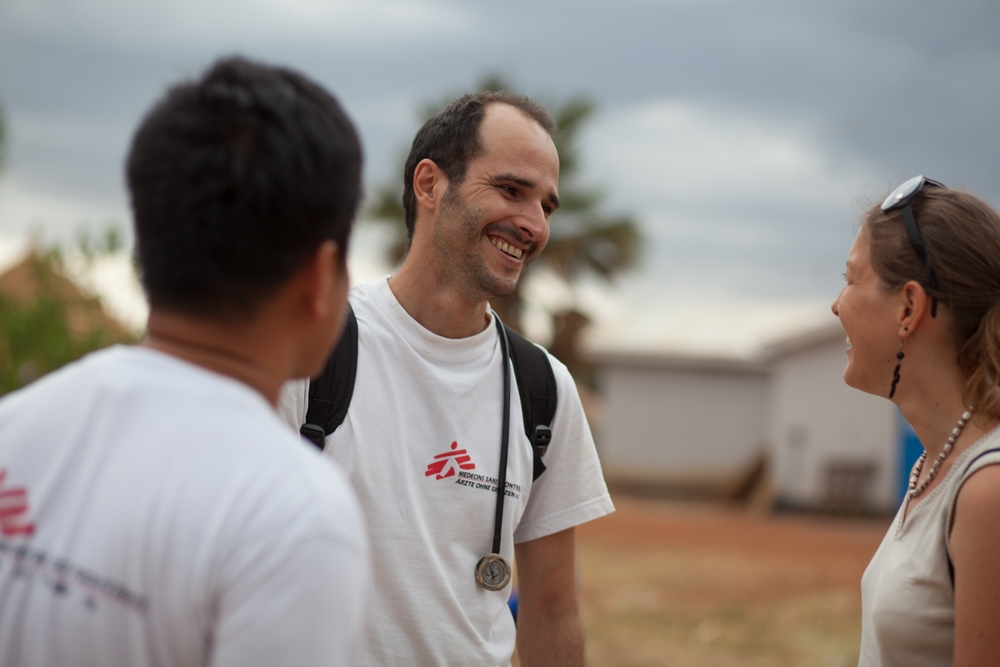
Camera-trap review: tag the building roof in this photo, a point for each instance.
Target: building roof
(741, 336)
(36, 275)
(110, 278)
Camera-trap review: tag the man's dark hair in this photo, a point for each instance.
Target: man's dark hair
(451, 139)
(235, 180)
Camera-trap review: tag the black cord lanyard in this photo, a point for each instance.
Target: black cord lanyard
(493, 571)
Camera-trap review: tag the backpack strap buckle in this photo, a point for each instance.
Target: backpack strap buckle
(540, 439)
(314, 434)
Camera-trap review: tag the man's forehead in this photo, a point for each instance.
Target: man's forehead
(516, 148)
(502, 121)
(501, 109)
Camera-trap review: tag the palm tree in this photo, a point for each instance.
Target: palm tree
(583, 239)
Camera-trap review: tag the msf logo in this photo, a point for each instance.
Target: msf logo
(449, 463)
(14, 510)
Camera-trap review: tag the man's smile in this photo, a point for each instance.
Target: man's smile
(506, 247)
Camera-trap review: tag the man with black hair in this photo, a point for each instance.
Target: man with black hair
(154, 510)
(423, 435)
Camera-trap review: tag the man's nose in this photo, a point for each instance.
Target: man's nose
(535, 223)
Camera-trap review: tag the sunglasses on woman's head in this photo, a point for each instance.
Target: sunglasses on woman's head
(899, 200)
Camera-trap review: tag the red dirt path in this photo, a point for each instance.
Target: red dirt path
(669, 583)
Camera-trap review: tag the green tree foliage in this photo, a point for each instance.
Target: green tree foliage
(583, 239)
(45, 322)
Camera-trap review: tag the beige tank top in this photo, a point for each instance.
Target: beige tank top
(907, 596)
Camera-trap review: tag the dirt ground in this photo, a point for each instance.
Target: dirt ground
(700, 585)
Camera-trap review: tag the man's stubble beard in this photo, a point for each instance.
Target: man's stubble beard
(458, 242)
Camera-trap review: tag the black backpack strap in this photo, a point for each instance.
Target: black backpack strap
(536, 385)
(330, 393)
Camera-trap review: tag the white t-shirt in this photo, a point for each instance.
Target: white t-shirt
(156, 513)
(907, 595)
(421, 442)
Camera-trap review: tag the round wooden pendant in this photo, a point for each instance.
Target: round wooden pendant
(492, 572)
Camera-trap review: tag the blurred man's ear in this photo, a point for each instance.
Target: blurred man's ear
(319, 300)
(320, 279)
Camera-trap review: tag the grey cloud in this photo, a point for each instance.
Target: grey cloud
(878, 91)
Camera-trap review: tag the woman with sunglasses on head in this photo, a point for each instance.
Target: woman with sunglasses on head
(921, 309)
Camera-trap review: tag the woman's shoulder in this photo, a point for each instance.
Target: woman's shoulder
(977, 481)
(984, 453)
(974, 519)
(980, 491)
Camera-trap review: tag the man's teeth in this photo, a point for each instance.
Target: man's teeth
(509, 249)
(848, 340)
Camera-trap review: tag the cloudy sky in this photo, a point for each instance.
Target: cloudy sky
(741, 133)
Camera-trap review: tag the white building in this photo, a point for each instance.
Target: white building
(694, 396)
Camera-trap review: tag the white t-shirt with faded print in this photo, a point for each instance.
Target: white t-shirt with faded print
(421, 443)
(153, 513)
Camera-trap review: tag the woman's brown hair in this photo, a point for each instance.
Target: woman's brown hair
(962, 236)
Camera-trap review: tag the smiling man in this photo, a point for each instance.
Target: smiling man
(423, 435)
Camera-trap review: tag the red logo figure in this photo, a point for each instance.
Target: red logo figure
(450, 462)
(14, 511)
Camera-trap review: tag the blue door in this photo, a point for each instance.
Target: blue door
(910, 450)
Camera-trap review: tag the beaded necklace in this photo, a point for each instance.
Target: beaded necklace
(914, 490)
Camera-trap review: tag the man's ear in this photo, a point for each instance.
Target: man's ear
(914, 307)
(429, 184)
(320, 280)
(313, 312)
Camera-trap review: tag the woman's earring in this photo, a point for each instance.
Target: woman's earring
(895, 372)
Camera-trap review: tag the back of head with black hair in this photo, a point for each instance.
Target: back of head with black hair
(451, 139)
(235, 180)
